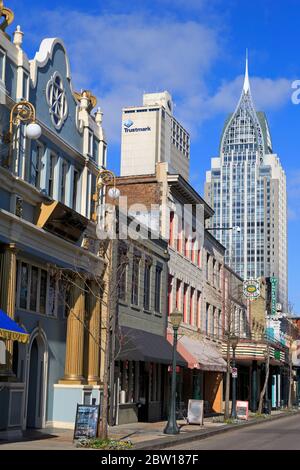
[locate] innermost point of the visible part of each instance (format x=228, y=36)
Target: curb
x=194, y=436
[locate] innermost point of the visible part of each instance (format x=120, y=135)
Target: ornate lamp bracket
x=8, y=17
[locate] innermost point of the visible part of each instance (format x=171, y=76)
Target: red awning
x=200, y=354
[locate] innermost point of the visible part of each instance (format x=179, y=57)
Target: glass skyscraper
x=246, y=186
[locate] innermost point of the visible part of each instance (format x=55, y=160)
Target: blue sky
x=196, y=50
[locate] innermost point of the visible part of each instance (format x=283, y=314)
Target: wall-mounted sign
x=242, y=409
x=195, y=412
x=251, y=289
x=86, y=423
x=277, y=354
x=274, y=282
x=234, y=372
x=128, y=127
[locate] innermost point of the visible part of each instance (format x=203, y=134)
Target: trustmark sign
x=251, y=289
x=128, y=127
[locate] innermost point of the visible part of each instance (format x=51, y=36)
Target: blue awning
x=9, y=329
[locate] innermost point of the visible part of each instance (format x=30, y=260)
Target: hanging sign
x=251, y=289
x=274, y=282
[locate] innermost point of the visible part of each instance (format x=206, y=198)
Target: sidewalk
x=147, y=436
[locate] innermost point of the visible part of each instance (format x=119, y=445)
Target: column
x=278, y=388
x=274, y=390
x=254, y=387
x=137, y=382
x=75, y=335
x=103, y=328
x=94, y=342
x=130, y=382
x=8, y=295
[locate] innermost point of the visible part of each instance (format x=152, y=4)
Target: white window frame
x=26, y=95
x=27, y=309
x=55, y=161
x=4, y=64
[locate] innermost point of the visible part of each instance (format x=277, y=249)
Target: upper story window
x=25, y=86
x=123, y=272
x=147, y=281
x=53, y=160
x=91, y=141
x=157, y=298
x=2, y=65
x=63, y=181
x=37, y=166
x=135, y=278
x=75, y=189
x=171, y=234
x=57, y=100
x=36, y=290
x=95, y=148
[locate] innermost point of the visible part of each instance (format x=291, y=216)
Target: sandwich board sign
x=195, y=412
x=86, y=423
x=242, y=409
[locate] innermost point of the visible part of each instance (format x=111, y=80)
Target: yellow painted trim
x=14, y=336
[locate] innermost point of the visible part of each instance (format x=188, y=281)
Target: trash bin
x=267, y=407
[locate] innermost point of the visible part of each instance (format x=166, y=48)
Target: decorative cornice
x=45, y=54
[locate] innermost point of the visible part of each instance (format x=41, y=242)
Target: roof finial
x=246, y=87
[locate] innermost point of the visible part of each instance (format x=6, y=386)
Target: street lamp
x=22, y=112
x=234, y=342
x=172, y=427
x=105, y=178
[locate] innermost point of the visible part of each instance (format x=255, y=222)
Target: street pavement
x=282, y=434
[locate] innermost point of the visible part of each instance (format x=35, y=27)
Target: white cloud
x=293, y=187
x=267, y=93
x=120, y=56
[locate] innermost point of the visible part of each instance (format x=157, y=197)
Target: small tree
x=233, y=300
x=267, y=372
x=106, y=293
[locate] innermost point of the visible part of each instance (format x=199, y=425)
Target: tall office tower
x=246, y=187
x=151, y=135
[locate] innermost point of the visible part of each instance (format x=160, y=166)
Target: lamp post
x=234, y=342
x=172, y=427
x=22, y=112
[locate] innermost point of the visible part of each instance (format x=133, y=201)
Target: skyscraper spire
x=246, y=87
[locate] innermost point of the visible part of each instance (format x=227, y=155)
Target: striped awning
x=9, y=329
